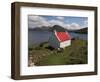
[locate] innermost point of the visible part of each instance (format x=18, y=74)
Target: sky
x=66, y=22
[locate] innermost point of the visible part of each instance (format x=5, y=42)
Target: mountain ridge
x=58, y=27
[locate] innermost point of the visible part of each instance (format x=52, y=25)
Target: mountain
x=58, y=28
x=44, y=28
x=83, y=30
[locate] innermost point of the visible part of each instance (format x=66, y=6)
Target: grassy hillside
x=44, y=55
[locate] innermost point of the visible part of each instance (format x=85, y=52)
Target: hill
x=44, y=55
x=84, y=30
x=59, y=28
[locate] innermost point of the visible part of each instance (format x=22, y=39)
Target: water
x=37, y=37
x=78, y=35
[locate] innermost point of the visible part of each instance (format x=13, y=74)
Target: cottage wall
x=65, y=43
x=54, y=42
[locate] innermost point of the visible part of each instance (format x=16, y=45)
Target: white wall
x=5, y=40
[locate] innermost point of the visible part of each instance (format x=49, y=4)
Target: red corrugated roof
x=62, y=36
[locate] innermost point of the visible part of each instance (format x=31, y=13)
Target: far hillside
x=84, y=30
x=44, y=28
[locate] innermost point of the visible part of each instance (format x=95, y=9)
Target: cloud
x=60, y=18
x=72, y=26
x=56, y=22
x=38, y=21
x=75, y=26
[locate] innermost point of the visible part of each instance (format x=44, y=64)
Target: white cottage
x=59, y=38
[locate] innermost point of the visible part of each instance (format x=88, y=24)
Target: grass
x=44, y=55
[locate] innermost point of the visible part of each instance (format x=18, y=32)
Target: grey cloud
x=38, y=21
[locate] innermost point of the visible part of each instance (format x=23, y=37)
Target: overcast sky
x=64, y=21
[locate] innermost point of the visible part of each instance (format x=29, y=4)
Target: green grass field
x=43, y=55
